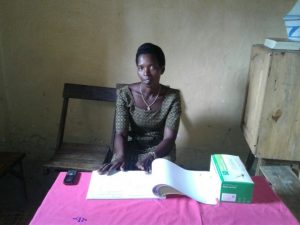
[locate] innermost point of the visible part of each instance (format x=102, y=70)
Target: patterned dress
x=146, y=128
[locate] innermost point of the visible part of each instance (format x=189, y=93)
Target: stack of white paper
x=166, y=178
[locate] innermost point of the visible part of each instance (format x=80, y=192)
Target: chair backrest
x=78, y=91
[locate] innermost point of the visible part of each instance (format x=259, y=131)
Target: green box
x=232, y=178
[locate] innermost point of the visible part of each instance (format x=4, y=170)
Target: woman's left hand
x=144, y=163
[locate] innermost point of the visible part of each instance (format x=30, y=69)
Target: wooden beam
x=286, y=184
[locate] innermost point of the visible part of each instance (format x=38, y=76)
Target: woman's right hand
x=117, y=163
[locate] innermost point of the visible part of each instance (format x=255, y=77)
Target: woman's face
x=148, y=69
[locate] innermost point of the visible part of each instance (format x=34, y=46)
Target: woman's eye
x=152, y=67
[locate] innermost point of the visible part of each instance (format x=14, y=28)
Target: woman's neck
x=150, y=90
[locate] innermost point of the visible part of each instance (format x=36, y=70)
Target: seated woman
x=147, y=116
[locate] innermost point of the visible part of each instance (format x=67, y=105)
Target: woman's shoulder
x=128, y=87
x=125, y=91
x=123, y=88
x=134, y=87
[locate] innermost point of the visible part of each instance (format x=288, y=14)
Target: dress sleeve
x=122, y=111
x=173, y=117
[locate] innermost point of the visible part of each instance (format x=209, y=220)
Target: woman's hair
x=149, y=48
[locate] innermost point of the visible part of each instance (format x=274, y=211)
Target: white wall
x=207, y=46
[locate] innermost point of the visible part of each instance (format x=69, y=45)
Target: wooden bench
x=286, y=184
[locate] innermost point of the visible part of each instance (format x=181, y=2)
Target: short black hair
x=149, y=48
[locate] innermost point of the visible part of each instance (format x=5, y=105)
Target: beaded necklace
x=149, y=105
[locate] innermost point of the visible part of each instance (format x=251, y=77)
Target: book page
x=199, y=185
x=121, y=185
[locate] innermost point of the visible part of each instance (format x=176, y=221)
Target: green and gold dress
x=146, y=128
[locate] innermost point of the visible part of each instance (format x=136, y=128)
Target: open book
x=166, y=178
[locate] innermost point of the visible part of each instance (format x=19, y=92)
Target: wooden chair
x=83, y=157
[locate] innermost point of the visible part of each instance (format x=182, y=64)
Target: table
x=68, y=205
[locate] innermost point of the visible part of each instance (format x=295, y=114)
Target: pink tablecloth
x=66, y=205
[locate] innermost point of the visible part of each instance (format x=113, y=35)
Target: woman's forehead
x=147, y=59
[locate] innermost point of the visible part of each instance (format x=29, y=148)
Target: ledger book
x=167, y=178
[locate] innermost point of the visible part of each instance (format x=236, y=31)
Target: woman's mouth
x=146, y=81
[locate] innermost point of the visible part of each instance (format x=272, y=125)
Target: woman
x=147, y=116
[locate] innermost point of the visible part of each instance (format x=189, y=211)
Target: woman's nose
x=146, y=71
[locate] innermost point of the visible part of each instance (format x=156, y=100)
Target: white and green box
x=235, y=184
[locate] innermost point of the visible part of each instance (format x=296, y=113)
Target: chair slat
x=88, y=92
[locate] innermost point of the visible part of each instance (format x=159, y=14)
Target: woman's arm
x=167, y=144
x=161, y=150
x=119, y=143
x=118, y=160
x=171, y=127
x=121, y=135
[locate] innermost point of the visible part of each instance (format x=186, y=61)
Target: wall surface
x=207, y=46
x=3, y=107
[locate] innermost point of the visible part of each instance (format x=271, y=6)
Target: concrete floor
x=15, y=209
